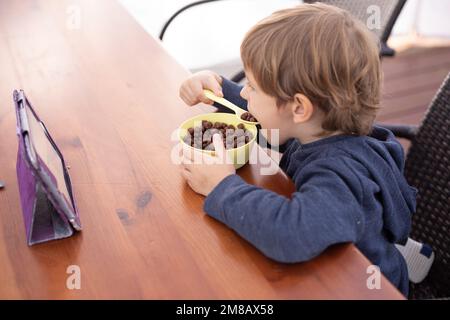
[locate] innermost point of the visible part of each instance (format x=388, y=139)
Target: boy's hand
x=191, y=90
x=203, y=177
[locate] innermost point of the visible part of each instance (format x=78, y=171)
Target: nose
x=243, y=93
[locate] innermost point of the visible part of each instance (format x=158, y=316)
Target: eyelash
x=248, y=85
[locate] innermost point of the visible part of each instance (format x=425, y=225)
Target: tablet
x=53, y=209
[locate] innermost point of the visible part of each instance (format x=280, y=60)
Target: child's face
x=266, y=111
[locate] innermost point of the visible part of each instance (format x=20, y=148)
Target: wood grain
x=108, y=93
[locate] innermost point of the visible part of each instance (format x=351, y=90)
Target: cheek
x=254, y=106
x=244, y=93
x=263, y=110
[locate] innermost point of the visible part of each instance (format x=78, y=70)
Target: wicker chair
x=389, y=12
x=428, y=169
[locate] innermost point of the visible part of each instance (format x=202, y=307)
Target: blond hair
x=322, y=52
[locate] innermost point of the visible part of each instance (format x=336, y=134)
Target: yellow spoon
x=238, y=111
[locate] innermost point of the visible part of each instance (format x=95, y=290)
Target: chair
x=228, y=67
x=389, y=12
x=178, y=12
x=427, y=168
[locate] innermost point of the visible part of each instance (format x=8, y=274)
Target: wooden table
x=108, y=93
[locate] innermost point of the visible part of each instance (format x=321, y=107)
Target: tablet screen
x=47, y=153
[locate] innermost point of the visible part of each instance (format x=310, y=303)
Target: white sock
x=419, y=258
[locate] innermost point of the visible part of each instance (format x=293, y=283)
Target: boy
x=313, y=73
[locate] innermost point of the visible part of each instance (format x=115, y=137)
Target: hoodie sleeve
x=232, y=92
x=324, y=211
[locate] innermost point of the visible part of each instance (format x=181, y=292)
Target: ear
x=302, y=108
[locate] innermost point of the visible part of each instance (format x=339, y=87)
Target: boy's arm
x=232, y=92
x=324, y=211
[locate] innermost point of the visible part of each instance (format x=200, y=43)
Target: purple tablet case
x=48, y=214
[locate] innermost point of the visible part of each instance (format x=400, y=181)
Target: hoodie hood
x=397, y=196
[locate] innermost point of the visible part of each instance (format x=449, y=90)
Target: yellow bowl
x=240, y=155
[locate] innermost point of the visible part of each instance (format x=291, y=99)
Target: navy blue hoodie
x=348, y=189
